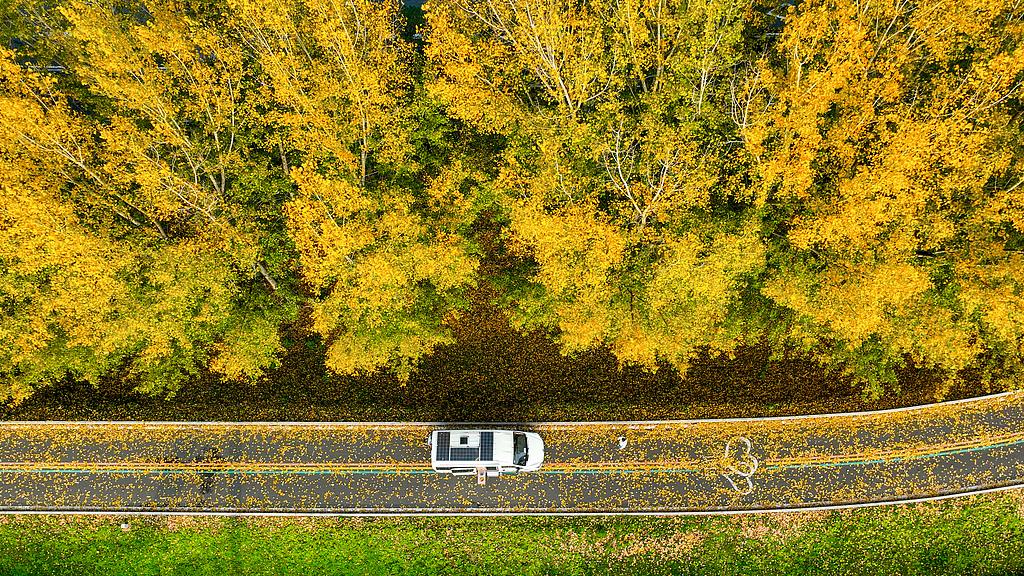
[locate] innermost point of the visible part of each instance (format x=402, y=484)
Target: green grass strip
x=978, y=536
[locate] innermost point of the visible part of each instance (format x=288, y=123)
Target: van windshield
x=520, y=453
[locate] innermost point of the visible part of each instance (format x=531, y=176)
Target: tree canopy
x=185, y=180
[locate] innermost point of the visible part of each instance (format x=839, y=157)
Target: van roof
x=472, y=447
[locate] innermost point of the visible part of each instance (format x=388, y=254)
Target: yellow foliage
x=575, y=249
x=120, y=250
x=888, y=139
x=610, y=176
x=372, y=260
x=339, y=69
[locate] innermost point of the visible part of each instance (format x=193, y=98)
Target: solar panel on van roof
x=487, y=445
x=445, y=451
x=464, y=454
x=443, y=443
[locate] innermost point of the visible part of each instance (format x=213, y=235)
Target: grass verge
x=977, y=535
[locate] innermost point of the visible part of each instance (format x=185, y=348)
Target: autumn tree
x=180, y=178
x=125, y=246
x=378, y=237
x=623, y=180
x=889, y=157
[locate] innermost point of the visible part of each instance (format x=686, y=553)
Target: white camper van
x=493, y=452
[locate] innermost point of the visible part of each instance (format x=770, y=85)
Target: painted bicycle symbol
x=741, y=464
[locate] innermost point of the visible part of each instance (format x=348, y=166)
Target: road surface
x=383, y=468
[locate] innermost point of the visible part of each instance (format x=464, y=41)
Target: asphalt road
x=384, y=468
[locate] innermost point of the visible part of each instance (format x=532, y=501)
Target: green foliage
x=979, y=536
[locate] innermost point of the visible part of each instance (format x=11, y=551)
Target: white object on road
x=463, y=452
x=748, y=458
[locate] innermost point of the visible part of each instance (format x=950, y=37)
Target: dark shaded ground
x=494, y=373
